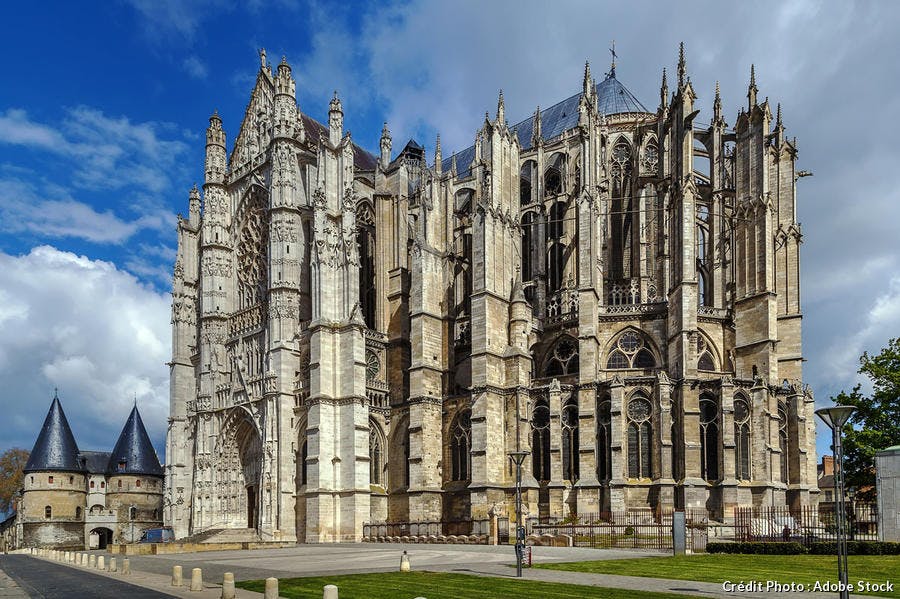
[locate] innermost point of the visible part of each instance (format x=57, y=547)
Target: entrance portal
x=251, y=506
x=100, y=538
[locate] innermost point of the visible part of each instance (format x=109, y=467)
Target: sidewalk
x=9, y=589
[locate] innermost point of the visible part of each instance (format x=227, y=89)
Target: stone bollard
x=271, y=588
x=84, y=559
x=101, y=562
x=176, y=576
x=330, y=592
x=404, y=562
x=196, y=579
x=112, y=564
x=92, y=561
x=228, y=586
x=126, y=566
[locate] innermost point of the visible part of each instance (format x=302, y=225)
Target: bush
x=629, y=531
x=757, y=548
x=856, y=548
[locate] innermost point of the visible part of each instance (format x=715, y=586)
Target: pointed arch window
x=460, y=441
x=540, y=440
x=783, y=441
x=376, y=455
x=742, y=438
x=48, y=512
x=554, y=175
x=640, y=435
x=527, y=246
x=604, y=438
x=563, y=358
x=703, y=253
x=650, y=159
x=365, y=239
x=705, y=360
x=304, y=454
x=556, y=246
x=621, y=216
x=526, y=182
x=709, y=438
x=631, y=351
x=570, y=454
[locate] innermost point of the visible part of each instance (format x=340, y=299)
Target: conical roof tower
x=55, y=448
x=134, y=453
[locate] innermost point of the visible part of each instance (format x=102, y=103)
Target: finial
x=283, y=59
x=501, y=113
x=55, y=393
x=335, y=104
x=437, y=144
x=778, y=115
x=717, y=102
x=752, y=89
x=262, y=58
x=612, y=68
x=135, y=399
x=385, y=132
x=682, y=67
x=664, y=91
x=752, y=74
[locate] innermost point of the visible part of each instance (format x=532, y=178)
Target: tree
x=876, y=422
x=12, y=461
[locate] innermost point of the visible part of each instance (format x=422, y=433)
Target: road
x=44, y=579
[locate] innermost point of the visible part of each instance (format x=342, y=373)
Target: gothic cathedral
x=362, y=338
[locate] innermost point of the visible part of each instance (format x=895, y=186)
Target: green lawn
x=805, y=569
x=439, y=585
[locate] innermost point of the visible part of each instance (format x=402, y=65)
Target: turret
x=335, y=120
x=438, y=156
x=194, y=206
x=284, y=83
x=216, y=160
x=385, y=146
x=501, y=111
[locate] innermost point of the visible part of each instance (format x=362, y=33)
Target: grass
x=806, y=569
x=440, y=585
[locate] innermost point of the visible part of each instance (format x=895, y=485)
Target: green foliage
x=757, y=548
x=876, y=422
x=856, y=548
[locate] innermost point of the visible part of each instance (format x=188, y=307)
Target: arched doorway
x=100, y=538
x=240, y=462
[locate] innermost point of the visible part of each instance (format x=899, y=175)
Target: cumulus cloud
x=88, y=328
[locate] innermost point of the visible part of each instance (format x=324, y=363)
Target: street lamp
x=518, y=457
x=836, y=417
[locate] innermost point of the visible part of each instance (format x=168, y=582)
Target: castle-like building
x=364, y=338
x=73, y=499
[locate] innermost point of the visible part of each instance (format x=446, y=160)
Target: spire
x=55, y=448
x=501, y=112
x=682, y=66
x=779, y=126
x=752, y=89
x=612, y=66
x=385, y=146
x=438, y=156
x=717, y=104
x=134, y=453
x=536, y=136
x=453, y=170
x=262, y=58
x=664, y=91
x=586, y=82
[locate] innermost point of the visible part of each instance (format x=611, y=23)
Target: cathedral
x=364, y=337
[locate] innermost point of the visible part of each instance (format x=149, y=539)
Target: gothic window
x=406, y=455
x=705, y=361
x=373, y=365
x=631, y=351
x=527, y=245
x=304, y=453
x=460, y=436
x=622, y=209
x=604, y=439
x=577, y=173
x=252, y=247
x=650, y=159
x=376, y=455
x=703, y=255
x=556, y=247
x=639, y=438
x=783, y=440
x=553, y=175
x=563, y=358
x=365, y=239
x=709, y=438
x=569, y=424
x=48, y=512
x=540, y=441
x=742, y=439
x=526, y=179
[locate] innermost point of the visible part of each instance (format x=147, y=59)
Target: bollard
x=330, y=592
x=92, y=561
x=176, y=576
x=271, y=588
x=228, y=586
x=112, y=564
x=101, y=562
x=126, y=566
x=404, y=562
x=196, y=579
x=84, y=559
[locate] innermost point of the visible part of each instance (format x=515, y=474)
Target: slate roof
x=95, y=462
x=612, y=98
x=134, y=449
x=362, y=159
x=55, y=448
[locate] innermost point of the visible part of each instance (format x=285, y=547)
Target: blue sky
x=104, y=106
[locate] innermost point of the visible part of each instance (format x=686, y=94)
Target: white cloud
x=175, y=18
x=88, y=328
x=195, y=67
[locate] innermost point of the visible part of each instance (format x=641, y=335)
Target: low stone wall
x=167, y=548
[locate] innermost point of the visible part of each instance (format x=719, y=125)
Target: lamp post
x=836, y=417
x=518, y=457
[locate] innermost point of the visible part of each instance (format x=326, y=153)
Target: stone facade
x=361, y=338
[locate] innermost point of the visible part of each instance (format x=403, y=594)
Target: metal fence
x=804, y=524
x=636, y=529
